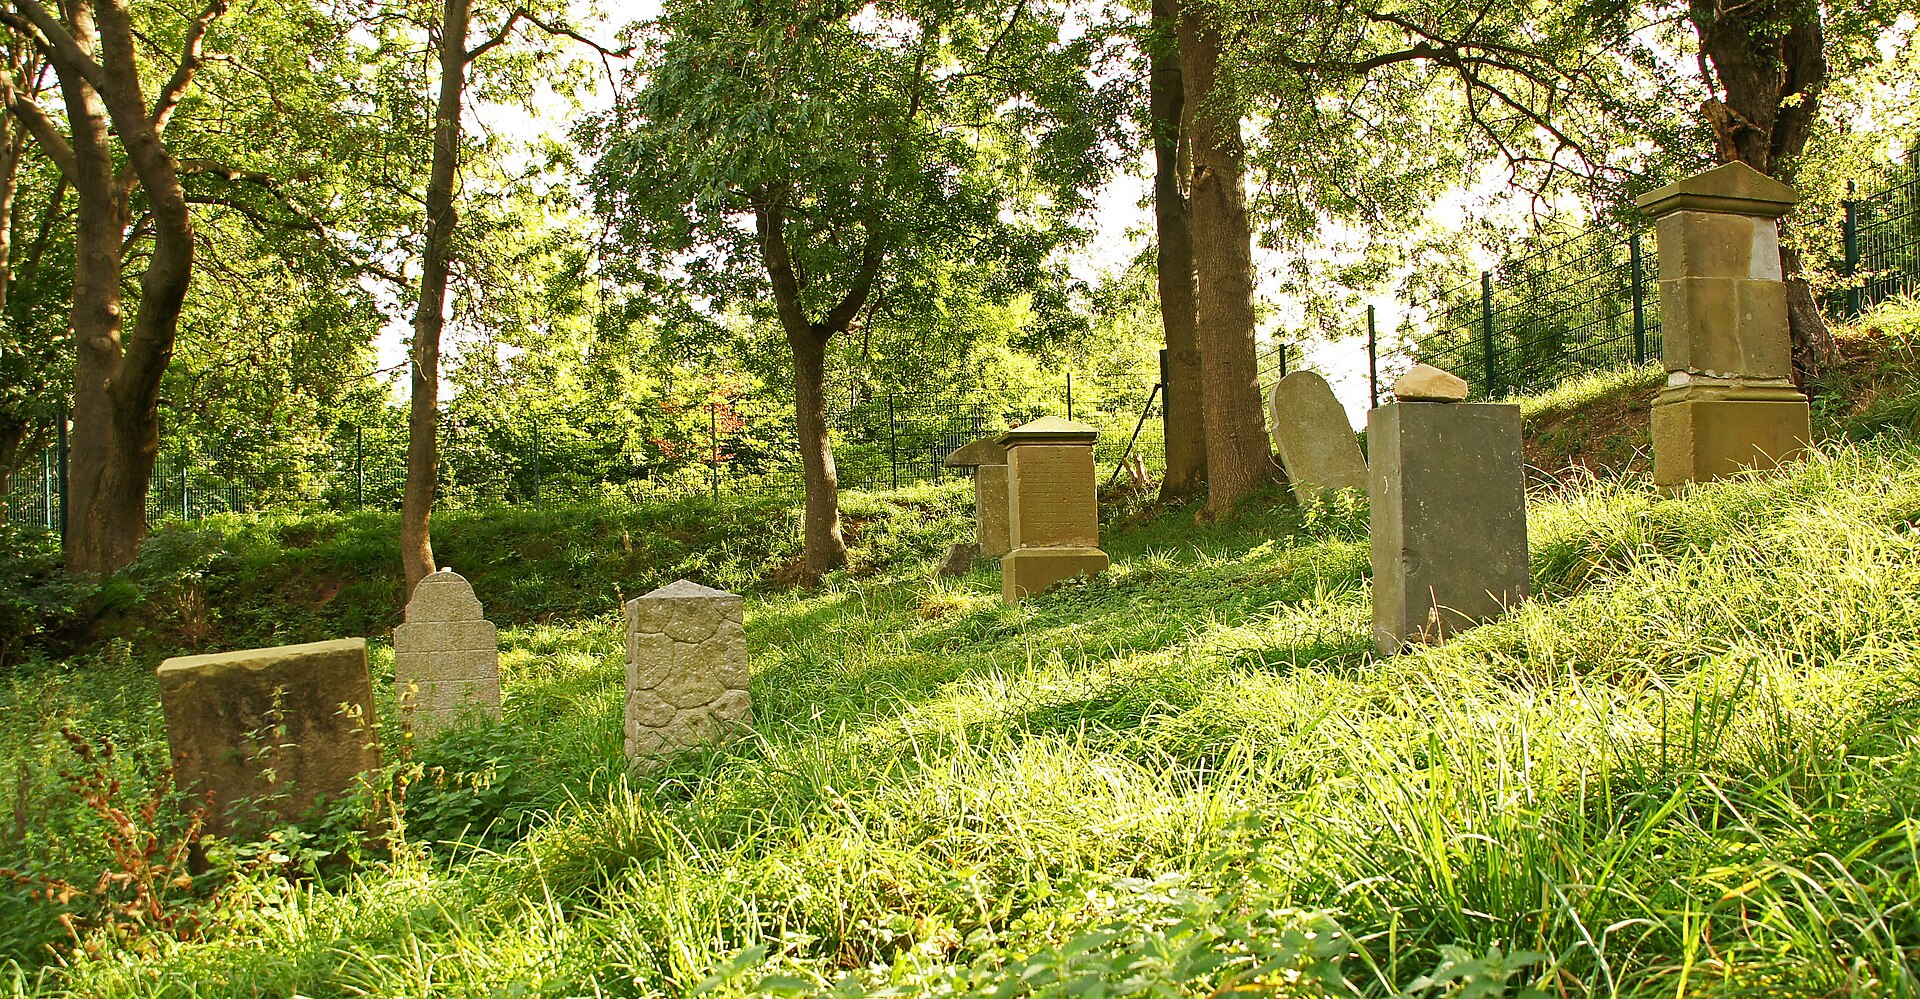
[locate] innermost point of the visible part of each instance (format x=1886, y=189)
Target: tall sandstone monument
x=1729, y=402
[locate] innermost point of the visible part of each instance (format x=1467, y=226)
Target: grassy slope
x=1688, y=766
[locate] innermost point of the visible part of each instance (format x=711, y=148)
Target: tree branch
x=190, y=61
x=52, y=35
x=45, y=132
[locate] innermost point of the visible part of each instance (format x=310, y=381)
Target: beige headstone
x=1053, y=513
x=1426, y=383
x=687, y=670
x=272, y=734
x=988, y=459
x=1729, y=402
x=446, y=654
x=1311, y=432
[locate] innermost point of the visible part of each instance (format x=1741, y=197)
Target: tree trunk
x=1185, y=417
x=825, y=548
x=1770, y=83
x=423, y=414
x=1239, y=455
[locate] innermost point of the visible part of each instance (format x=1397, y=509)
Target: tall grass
x=1688, y=767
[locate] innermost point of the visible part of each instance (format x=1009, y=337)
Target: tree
x=115, y=438
x=1186, y=417
x=840, y=159
x=1239, y=456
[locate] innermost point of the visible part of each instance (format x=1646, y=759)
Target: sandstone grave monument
x=277, y=732
x=1053, y=513
x=446, y=654
x=1449, y=514
x=1729, y=402
x=988, y=459
x=686, y=669
x=1316, y=444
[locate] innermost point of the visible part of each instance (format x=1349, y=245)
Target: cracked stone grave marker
x=686, y=669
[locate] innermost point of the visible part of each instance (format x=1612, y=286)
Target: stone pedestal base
x=1701, y=433
x=1025, y=572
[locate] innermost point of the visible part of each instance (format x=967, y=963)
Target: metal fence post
x=186, y=506
x=1850, y=250
x=1069, y=395
x=359, y=468
x=536, y=464
x=1283, y=360
x=713, y=436
x=1486, y=330
x=65, y=422
x=893, y=435
x=1373, y=364
x=1639, y=300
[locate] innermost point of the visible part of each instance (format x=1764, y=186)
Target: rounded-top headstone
x=1426, y=383
x=446, y=654
x=1315, y=441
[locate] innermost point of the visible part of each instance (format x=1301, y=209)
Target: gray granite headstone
x=1449, y=518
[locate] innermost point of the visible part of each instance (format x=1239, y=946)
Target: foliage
x=41, y=607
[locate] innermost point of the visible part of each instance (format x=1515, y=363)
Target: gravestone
x=446, y=654
x=1449, y=518
x=278, y=732
x=686, y=669
x=959, y=560
x=1729, y=402
x=1053, y=516
x=988, y=459
x=1315, y=441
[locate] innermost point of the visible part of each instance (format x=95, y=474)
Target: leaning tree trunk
x=1770, y=83
x=1239, y=455
x=1185, y=416
x=423, y=412
x=825, y=548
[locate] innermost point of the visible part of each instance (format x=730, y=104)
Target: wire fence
x=727, y=445
x=1586, y=303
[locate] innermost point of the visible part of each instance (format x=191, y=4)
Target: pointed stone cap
x=1426, y=383
x=985, y=451
x=1050, y=430
x=684, y=589
x=1730, y=189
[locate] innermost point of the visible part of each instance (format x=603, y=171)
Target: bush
x=41, y=607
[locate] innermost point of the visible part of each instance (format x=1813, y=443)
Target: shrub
x=41, y=607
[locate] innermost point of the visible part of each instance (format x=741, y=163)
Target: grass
x=1688, y=767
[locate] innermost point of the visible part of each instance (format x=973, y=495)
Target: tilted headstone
x=988, y=459
x=1729, y=402
x=1315, y=441
x=277, y=732
x=686, y=669
x=446, y=655
x=1053, y=512
x=1449, y=518
x=960, y=557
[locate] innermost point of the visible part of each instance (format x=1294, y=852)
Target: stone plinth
x=1729, y=402
x=273, y=734
x=446, y=654
x=1053, y=514
x=1315, y=441
x=686, y=670
x=1449, y=518
x=988, y=459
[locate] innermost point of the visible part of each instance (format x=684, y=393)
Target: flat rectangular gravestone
x=1449, y=518
x=1316, y=443
x=686, y=670
x=446, y=656
x=278, y=732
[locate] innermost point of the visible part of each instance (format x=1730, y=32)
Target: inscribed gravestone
x=277, y=731
x=1449, y=518
x=1052, y=507
x=1315, y=441
x=686, y=669
x=446, y=654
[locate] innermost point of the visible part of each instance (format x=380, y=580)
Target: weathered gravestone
x=1053, y=513
x=988, y=459
x=278, y=732
x=1315, y=441
x=1449, y=518
x=446, y=655
x=1729, y=402
x=686, y=669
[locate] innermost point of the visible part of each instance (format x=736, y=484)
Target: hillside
x=1687, y=767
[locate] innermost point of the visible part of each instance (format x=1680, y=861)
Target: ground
x=1686, y=767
